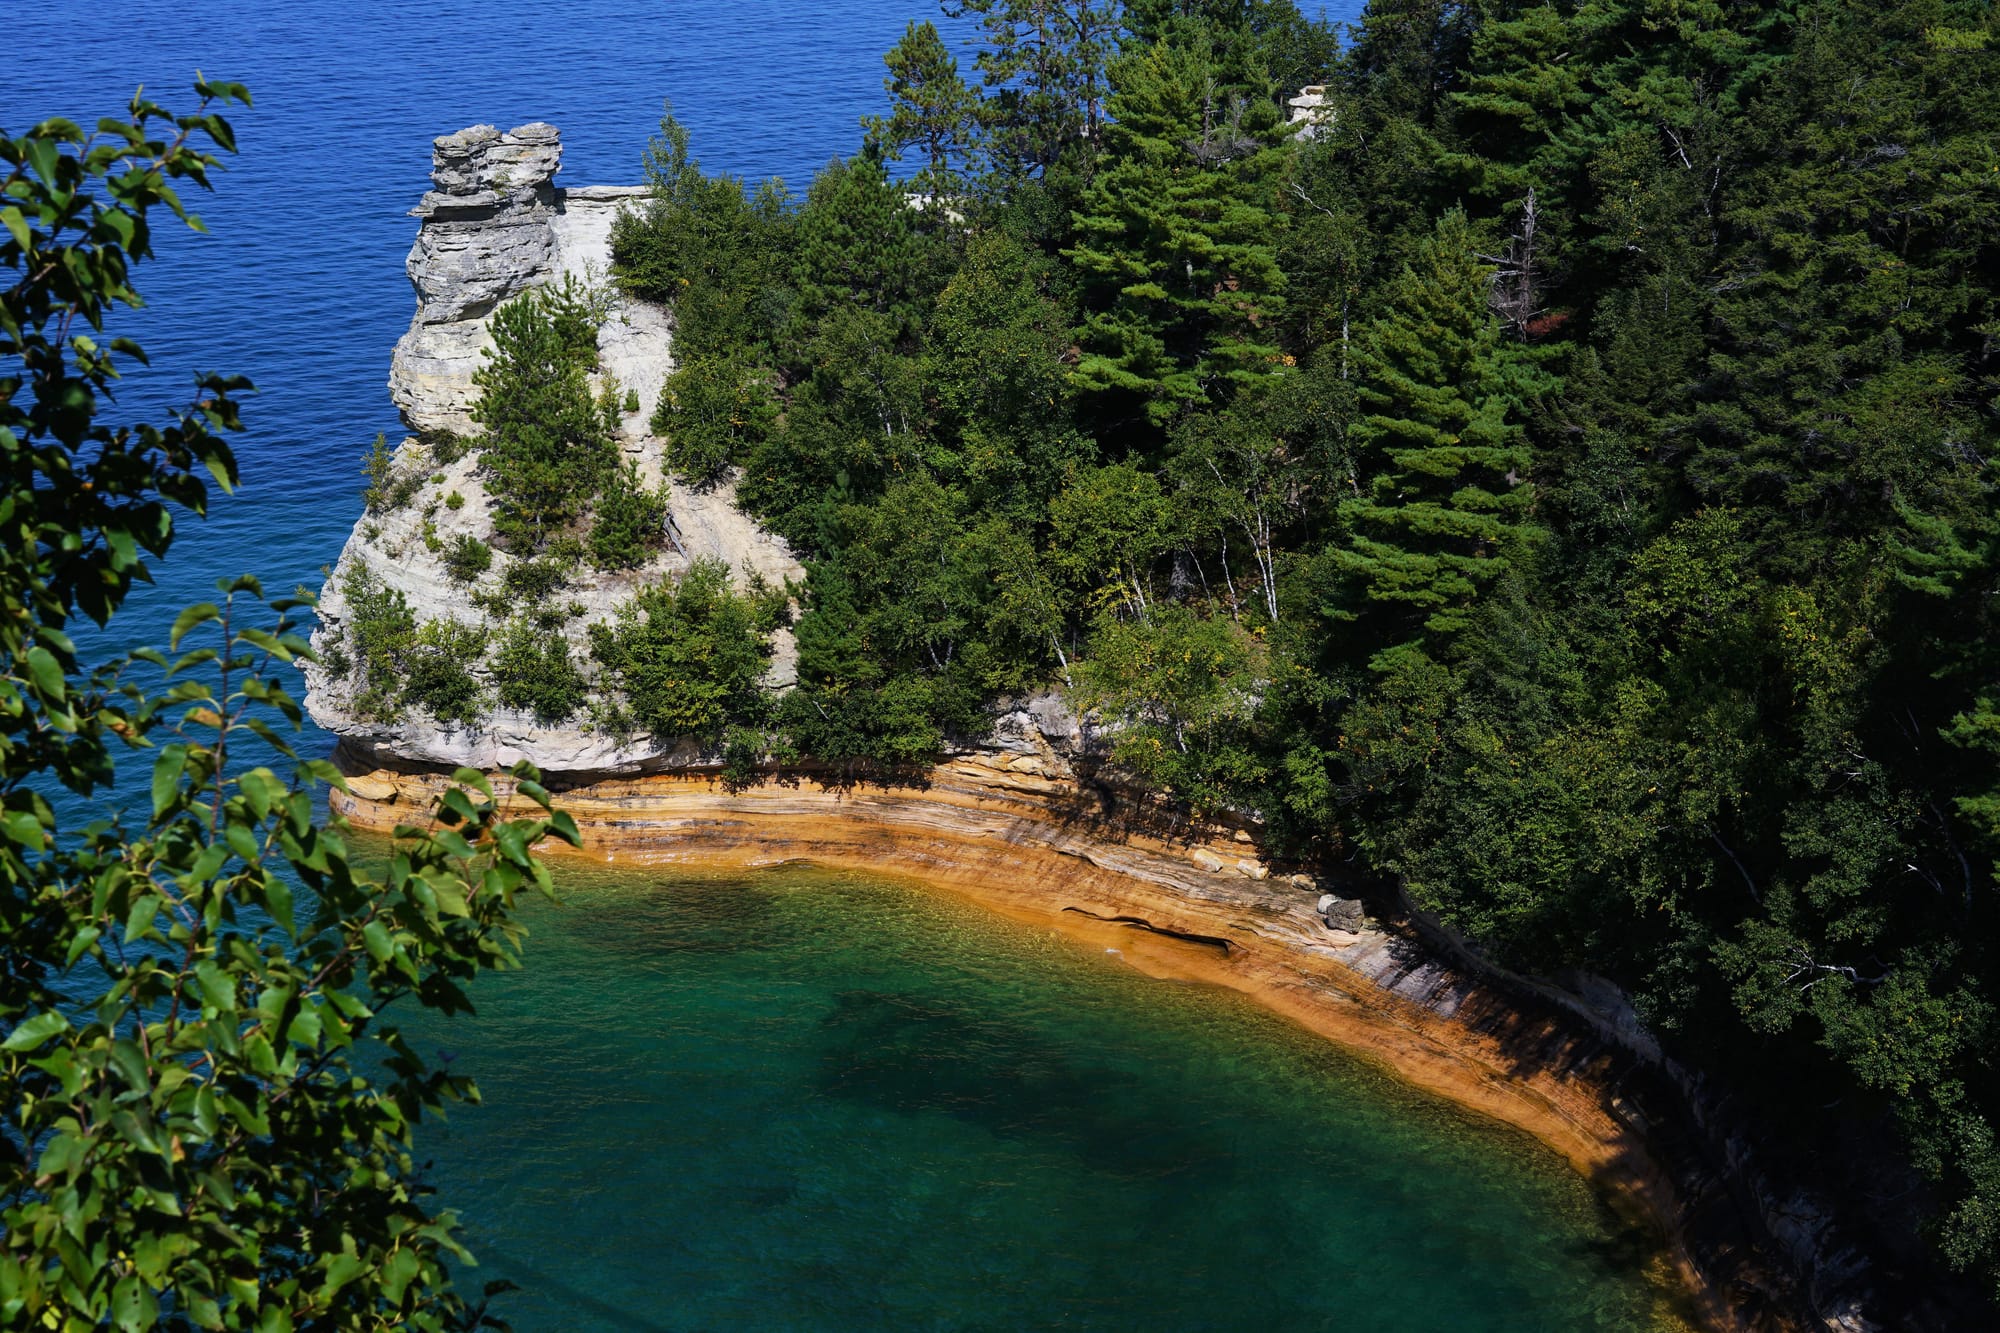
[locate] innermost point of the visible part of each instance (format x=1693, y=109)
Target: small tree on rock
x=934, y=112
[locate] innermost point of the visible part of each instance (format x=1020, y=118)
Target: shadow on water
x=919, y=1055
x=568, y=1296
x=1718, y=1221
x=692, y=916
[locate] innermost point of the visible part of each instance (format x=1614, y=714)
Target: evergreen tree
x=1046, y=62
x=859, y=243
x=548, y=448
x=933, y=111
x=993, y=369
x=1177, y=235
x=1441, y=510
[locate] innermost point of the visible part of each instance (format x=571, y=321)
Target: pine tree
x=933, y=111
x=1045, y=61
x=1442, y=509
x=858, y=243
x=1177, y=234
x=547, y=449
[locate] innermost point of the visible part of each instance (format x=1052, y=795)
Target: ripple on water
x=862, y=1105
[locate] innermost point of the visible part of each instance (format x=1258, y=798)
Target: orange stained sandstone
x=1003, y=832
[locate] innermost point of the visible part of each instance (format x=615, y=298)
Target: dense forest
x=1550, y=474
x=1543, y=469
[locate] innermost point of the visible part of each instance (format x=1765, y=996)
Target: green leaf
x=167, y=770
x=139, y=920
x=216, y=467
x=243, y=842
x=278, y=902
x=23, y=828
x=376, y=936
x=17, y=227
x=80, y=944
x=199, y=614
x=132, y=1304
x=262, y=789
x=450, y=899
x=46, y=672
x=218, y=988
x=342, y=1269
x=257, y=1051
x=35, y=1031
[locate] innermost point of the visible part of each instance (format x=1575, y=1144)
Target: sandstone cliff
x=1021, y=820
x=493, y=225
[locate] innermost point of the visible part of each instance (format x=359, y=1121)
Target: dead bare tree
x=1515, y=292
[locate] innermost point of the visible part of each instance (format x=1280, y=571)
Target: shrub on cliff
x=534, y=674
x=713, y=410
x=712, y=250
x=548, y=448
x=380, y=628
x=467, y=558
x=205, y=1121
x=533, y=580
x=388, y=488
x=687, y=654
x=437, y=675
x=630, y=522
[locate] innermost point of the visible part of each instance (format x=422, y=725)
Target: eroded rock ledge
x=1028, y=838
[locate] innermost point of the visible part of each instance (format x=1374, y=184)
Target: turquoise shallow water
x=798, y=1101
x=809, y=1100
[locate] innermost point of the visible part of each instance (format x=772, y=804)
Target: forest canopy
x=1549, y=476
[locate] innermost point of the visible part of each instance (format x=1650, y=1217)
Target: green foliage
x=535, y=580
x=1446, y=468
x=686, y=654
x=1177, y=233
x=714, y=410
x=932, y=112
x=1002, y=411
x=381, y=628
x=437, y=674
x=1179, y=691
x=859, y=247
x=399, y=663
x=715, y=252
x=1045, y=62
x=445, y=447
x=547, y=448
x=630, y=524
x=1108, y=528
x=389, y=487
x=534, y=674
x=1559, y=485
x=208, y=1121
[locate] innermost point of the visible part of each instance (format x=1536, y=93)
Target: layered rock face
x=493, y=225
x=487, y=233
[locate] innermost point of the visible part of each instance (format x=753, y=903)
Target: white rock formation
x=493, y=226
x=1310, y=106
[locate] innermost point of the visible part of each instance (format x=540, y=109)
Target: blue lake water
x=799, y=1101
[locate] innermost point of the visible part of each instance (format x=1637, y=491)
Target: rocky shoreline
x=1030, y=840
x=1024, y=820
